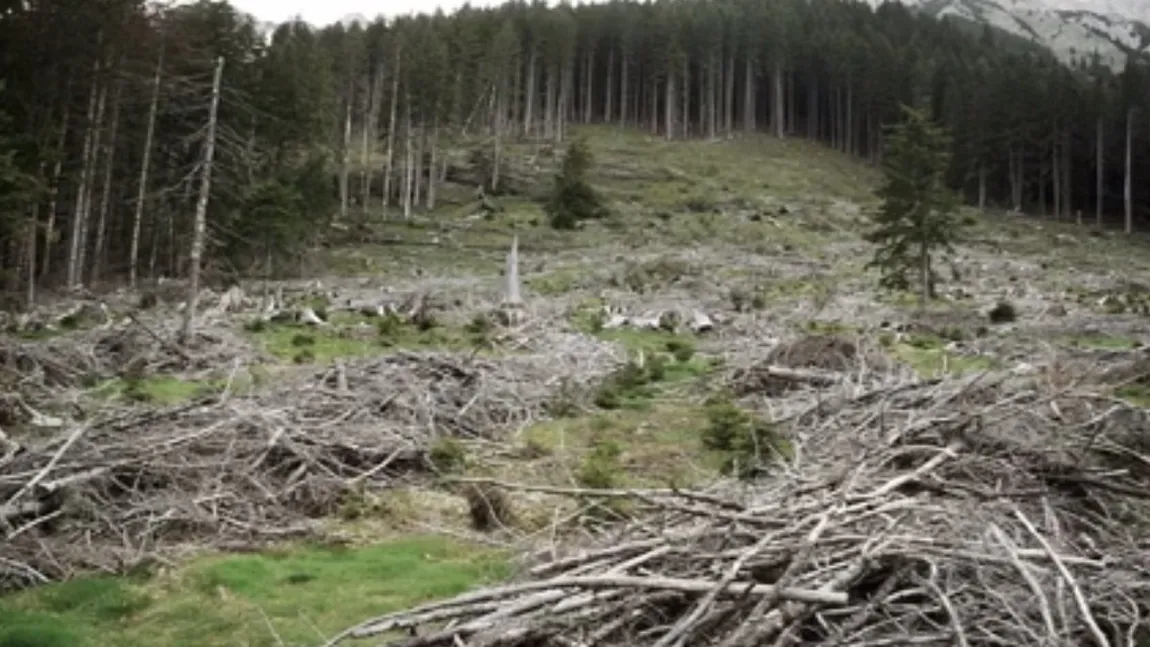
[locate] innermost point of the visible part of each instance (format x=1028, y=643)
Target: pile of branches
x=129, y=484
x=974, y=512
x=815, y=360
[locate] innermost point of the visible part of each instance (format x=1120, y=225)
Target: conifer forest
x=107, y=111
x=635, y=323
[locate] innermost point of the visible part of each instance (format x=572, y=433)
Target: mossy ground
x=294, y=597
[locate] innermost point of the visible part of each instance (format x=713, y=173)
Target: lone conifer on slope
x=918, y=213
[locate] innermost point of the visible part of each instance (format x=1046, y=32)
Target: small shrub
x=488, y=506
x=134, y=390
x=1003, y=312
x=389, y=325
x=302, y=340
x=601, y=467
x=304, y=356
x=256, y=326
x=480, y=324
x=629, y=382
x=447, y=455
x=681, y=349
x=425, y=321
x=564, y=403
x=744, y=440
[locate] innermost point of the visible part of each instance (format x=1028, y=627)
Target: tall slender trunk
x=729, y=94
x=54, y=192
x=200, y=227
x=669, y=107
x=511, y=120
x=345, y=160
x=145, y=167
x=106, y=191
x=431, y=175
x=792, y=103
x=609, y=93
x=813, y=109
x=778, y=116
x=549, y=107
x=529, y=99
x=80, y=211
x=389, y=164
x=1128, y=189
x=1068, y=176
x=749, y=98
x=30, y=280
x=564, y=101
x=408, y=178
x=588, y=84
x=684, y=94
x=1099, y=163
x=370, y=132
x=982, y=187
x=624, y=89
x=848, y=121
x=1056, y=176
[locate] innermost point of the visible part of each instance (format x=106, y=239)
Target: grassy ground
x=290, y=598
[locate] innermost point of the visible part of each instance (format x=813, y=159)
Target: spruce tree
x=572, y=199
x=918, y=213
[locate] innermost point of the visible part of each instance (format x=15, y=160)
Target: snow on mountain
x=1072, y=29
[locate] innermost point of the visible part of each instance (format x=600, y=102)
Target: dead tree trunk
x=778, y=115
x=432, y=174
x=407, y=176
x=370, y=123
x=137, y=218
x=390, y=164
x=82, y=190
x=345, y=162
x=1128, y=189
x=200, y=226
x=54, y=193
x=529, y=98
x=1099, y=162
x=106, y=197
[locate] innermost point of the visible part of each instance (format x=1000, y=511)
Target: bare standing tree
x=200, y=227
x=134, y=256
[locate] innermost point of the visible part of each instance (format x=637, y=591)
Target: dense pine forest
x=113, y=110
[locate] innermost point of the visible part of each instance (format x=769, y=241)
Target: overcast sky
x=324, y=12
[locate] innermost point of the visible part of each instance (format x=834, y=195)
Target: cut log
x=308, y=317
x=700, y=322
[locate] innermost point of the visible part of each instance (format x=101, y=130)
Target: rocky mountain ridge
x=1073, y=29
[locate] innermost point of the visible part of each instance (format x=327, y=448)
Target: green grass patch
x=161, y=389
x=1136, y=394
x=1103, y=341
x=301, y=594
x=657, y=447
x=931, y=361
x=351, y=336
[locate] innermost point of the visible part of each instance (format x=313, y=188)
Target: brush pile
x=129, y=484
x=953, y=512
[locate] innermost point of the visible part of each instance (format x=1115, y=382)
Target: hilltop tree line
x=105, y=111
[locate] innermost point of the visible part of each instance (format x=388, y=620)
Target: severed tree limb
x=1079, y=598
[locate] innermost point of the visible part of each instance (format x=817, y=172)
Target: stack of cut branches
x=943, y=513
x=131, y=483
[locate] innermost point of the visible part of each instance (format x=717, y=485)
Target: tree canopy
x=112, y=195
